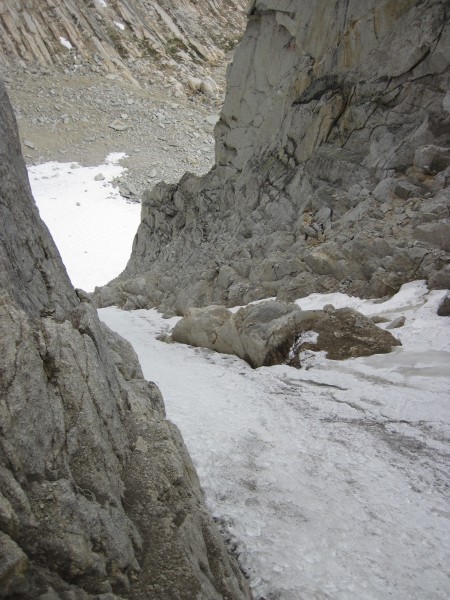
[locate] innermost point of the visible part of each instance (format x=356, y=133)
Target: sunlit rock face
x=97, y=492
x=313, y=73
x=331, y=164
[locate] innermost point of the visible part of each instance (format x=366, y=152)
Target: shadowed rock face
x=98, y=496
x=331, y=168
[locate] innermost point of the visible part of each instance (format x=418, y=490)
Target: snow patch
x=121, y=26
x=410, y=295
x=306, y=337
x=92, y=225
x=65, y=43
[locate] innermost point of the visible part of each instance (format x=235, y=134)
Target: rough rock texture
x=98, y=496
x=444, y=307
x=274, y=333
x=332, y=164
x=126, y=37
x=341, y=333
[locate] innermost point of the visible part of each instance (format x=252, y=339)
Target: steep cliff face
x=332, y=164
x=98, y=496
x=129, y=37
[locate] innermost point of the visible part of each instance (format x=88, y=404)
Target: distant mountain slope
x=131, y=37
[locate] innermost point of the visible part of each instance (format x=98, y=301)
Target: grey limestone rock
x=444, y=307
x=436, y=234
x=14, y=567
x=432, y=159
x=329, y=151
x=98, y=496
x=273, y=332
x=254, y=333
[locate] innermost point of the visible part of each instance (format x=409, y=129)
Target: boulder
x=342, y=333
x=273, y=332
x=444, y=307
x=436, y=234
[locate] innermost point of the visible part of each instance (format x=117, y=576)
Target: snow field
x=331, y=479
x=92, y=225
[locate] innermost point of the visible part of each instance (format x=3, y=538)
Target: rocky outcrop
x=131, y=38
x=332, y=164
x=98, y=496
x=272, y=332
x=444, y=307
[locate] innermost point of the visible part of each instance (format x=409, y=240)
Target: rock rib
x=98, y=496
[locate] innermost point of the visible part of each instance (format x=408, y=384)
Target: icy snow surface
x=331, y=480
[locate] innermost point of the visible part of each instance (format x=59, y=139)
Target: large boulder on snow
x=273, y=332
x=257, y=333
x=342, y=333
